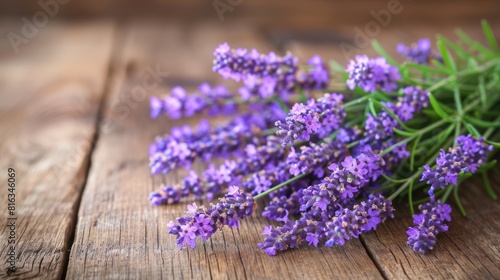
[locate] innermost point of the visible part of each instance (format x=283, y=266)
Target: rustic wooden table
x=74, y=125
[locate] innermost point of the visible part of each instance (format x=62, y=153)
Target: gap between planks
x=116, y=49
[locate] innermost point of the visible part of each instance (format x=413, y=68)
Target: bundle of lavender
x=332, y=161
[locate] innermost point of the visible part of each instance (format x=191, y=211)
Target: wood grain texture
x=50, y=94
x=120, y=235
x=469, y=250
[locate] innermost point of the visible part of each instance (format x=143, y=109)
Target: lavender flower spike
x=321, y=117
x=203, y=222
x=216, y=100
x=468, y=155
x=420, y=52
x=427, y=224
x=372, y=74
x=240, y=63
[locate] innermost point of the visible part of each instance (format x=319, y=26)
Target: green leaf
x=482, y=92
x=443, y=135
x=372, y=108
x=459, y=50
x=404, y=133
x=410, y=197
x=302, y=95
x=334, y=65
x=395, y=180
x=431, y=113
x=458, y=201
x=481, y=123
x=458, y=100
x=494, y=144
x=472, y=63
x=382, y=52
x=472, y=130
x=490, y=36
x=487, y=186
x=413, y=152
x=437, y=108
x=474, y=44
x=282, y=104
x=447, y=58
x=487, y=166
x=424, y=69
x=380, y=96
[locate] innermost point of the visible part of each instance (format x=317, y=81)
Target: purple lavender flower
x=420, y=52
x=203, y=222
x=380, y=127
x=285, y=83
x=217, y=100
x=314, y=157
x=166, y=195
x=281, y=206
x=413, y=101
x=281, y=238
x=468, y=154
x=363, y=217
x=311, y=158
x=427, y=224
x=321, y=117
x=238, y=63
x=269, y=75
x=216, y=180
x=372, y=74
x=347, y=223
x=343, y=184
x=183, y=146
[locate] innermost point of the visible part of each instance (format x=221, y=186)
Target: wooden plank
x=50, y=91
x=120, y=235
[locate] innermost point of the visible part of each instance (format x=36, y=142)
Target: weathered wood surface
x=50, y=96
x=469, y=250
x=47, y=132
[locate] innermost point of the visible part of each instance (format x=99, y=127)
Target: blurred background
x=284, y=13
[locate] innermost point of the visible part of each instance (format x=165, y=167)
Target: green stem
x=462, y=73
x=491, y=129
x=419, y=133
x=403, y=187
x=356, y=101
x=277, y=187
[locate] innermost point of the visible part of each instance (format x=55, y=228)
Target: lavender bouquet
x=330, y=162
